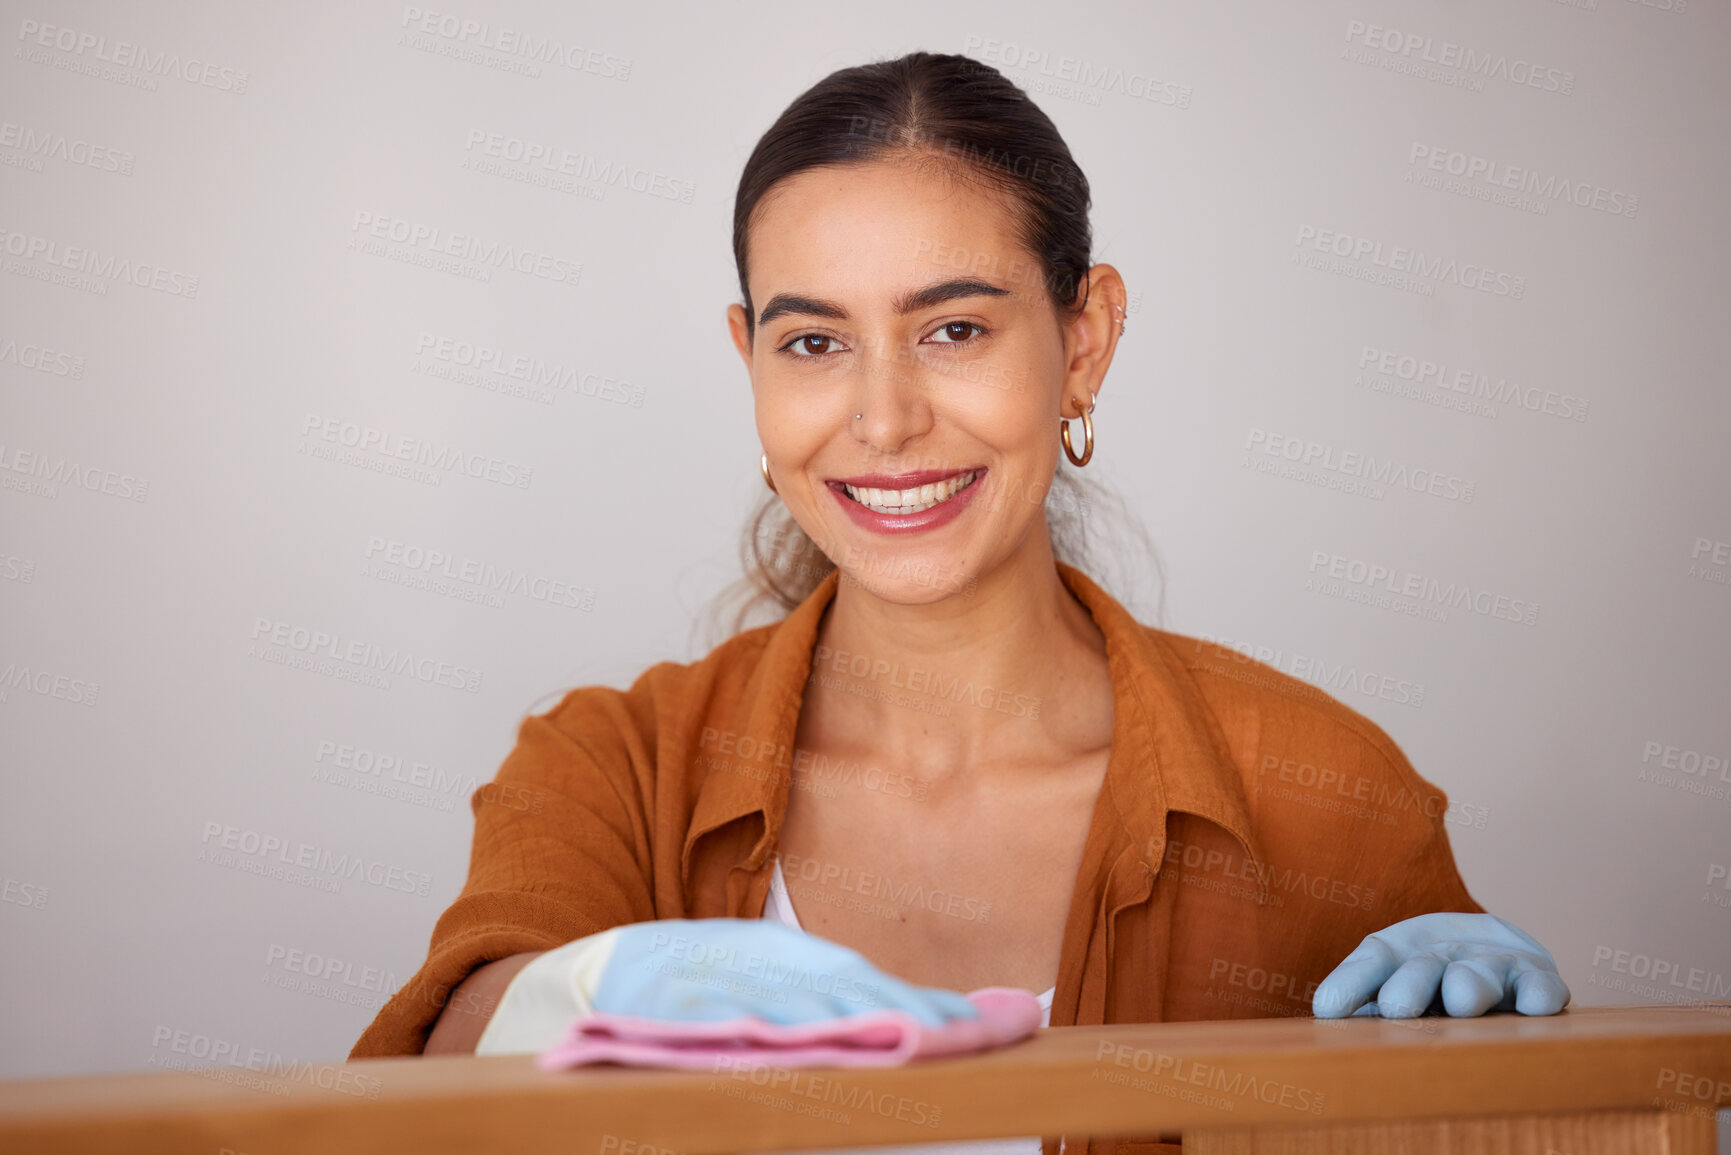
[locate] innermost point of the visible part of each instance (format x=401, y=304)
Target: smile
x=904, y=502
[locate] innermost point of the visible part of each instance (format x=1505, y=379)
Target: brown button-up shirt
x=1249, y=832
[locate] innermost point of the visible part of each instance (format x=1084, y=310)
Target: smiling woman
x=966, y=199
x=956, y=755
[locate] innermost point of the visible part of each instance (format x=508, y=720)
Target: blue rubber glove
x=1478, y=961
x=702, y=970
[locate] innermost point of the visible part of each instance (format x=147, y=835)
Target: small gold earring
x=763, y=463
x=1087, y=434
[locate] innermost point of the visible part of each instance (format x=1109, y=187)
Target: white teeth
x=915, y=500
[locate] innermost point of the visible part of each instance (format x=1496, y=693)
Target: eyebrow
x=790, y=304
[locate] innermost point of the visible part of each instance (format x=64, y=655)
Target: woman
x=1109, y=813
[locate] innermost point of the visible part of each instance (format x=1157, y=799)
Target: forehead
x=885, y=224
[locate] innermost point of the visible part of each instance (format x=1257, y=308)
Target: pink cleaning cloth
x=874, y=1039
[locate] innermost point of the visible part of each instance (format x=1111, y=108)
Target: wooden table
x=1639, y=1079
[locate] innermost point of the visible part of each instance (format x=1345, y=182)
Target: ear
x=736, y=326
x=1091, y=338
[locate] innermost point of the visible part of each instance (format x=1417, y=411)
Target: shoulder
x=666, y=694
x=1331, y=796
x=1279, y=719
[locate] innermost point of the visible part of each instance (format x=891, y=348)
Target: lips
x=906, y=503
x=906, y=494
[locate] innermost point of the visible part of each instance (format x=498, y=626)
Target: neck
x=1013, y=669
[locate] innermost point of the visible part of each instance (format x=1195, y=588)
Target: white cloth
x=779, y=908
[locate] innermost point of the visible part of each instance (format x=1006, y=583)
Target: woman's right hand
x=701, y=970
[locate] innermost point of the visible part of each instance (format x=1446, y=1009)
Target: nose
x=890, y=391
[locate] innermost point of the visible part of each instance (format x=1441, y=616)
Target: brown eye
x=808, y=345
x=955, y=332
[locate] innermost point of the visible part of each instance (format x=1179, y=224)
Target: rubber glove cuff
x=542, y=999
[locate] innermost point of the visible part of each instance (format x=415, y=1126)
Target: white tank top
x=779, y=908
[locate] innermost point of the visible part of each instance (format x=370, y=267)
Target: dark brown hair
x=963, y=117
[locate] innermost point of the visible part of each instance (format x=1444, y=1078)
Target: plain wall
x=1481, y=244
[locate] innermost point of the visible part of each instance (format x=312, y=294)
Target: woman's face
x=897, y=292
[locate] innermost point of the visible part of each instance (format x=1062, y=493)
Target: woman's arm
x=458, y=1027
x=561, y=850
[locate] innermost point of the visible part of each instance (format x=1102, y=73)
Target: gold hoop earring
x=763, y=463
x=1087, y=437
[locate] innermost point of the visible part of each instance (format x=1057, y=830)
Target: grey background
x=1266, y=120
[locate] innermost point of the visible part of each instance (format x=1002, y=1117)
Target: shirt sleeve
x=561, y=851
x=1425, y=879
x=1383, y=861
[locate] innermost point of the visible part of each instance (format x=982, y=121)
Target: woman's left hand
x=1478, y=962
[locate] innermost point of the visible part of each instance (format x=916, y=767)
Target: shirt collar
x=1167, y=751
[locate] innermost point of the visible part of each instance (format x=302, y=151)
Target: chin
x=920, y=583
